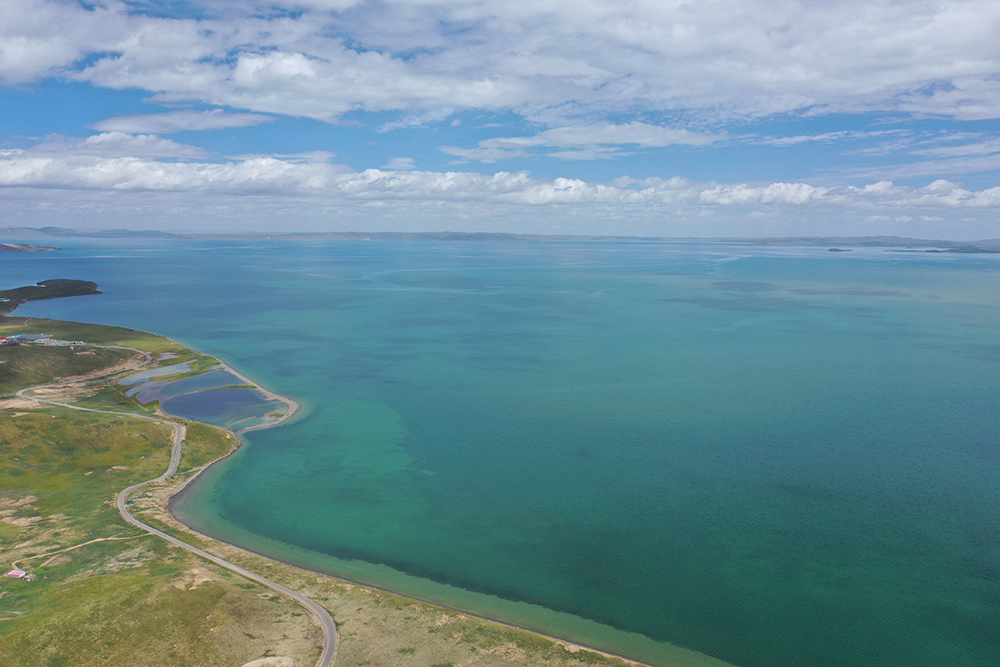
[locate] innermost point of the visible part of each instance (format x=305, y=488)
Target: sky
x=669, y=118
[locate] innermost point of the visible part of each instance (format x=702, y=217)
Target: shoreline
x=684, y=657
x=294, y=406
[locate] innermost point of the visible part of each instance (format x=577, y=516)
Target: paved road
x=321, y=615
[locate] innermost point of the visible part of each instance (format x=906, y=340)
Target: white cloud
x=131, y=173
x=309, y=156
x=420, y=118
x=116, y=144
x=725, y=58
x=77, y=164
x=636, y=133
x=592, y=153
x=585, y=142
x=487, y=154
x=990, y=147
x=931, y=168
x=838, y=137
x=180, y=121
x=826, y=137
x=273, y=195
x=39, y=38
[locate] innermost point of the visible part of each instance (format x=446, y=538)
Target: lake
x=777, y=456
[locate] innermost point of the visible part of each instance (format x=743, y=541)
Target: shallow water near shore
x=775, y=456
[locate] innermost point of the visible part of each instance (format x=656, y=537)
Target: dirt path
x=14, y=564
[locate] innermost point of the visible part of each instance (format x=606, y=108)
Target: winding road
x=321, y=615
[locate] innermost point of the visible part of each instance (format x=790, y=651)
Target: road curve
x=321, y=615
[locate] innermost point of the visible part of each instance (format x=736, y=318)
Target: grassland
x=25, y=365
x=109, y=594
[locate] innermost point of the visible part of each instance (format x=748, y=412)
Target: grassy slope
x=24, y=365
x=121, y=602
x=140, y=602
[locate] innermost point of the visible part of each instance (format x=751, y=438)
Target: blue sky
x=723, y=118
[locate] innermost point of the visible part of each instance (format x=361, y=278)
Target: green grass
x=89, y=333
x=73, y=464
x=123, y=602
x=204, y=443
x=116, y=601
x=143, y=614
x=28, y=365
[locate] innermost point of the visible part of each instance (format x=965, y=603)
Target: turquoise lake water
x=775, y=456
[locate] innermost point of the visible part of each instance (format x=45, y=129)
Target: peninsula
x=24, y=247
x=46, y=289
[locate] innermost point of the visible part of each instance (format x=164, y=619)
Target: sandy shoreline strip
x=293, y=406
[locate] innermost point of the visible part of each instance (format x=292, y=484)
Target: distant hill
x=64, y=231
x=895, y=243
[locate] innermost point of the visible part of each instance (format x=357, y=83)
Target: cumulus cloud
x=39, y=38
x=725, y=58
x=180, y=121
x=132, y=173
x=73, y=164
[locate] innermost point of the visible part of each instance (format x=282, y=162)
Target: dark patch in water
x=848, y=291
x=981, y=571
x=752, y=304
x=752, y=287
x=982, y=448
x=980, y=352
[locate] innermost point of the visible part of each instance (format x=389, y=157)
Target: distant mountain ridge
x=896, y=242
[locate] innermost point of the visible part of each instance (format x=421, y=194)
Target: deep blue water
x=775, y=456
